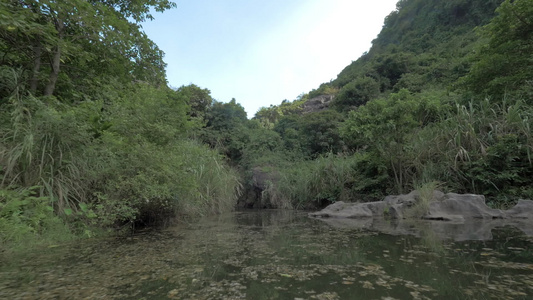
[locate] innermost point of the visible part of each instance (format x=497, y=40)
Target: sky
x=264, y=52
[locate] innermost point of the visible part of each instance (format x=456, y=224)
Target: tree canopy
x=505, y=63
x=67, y=47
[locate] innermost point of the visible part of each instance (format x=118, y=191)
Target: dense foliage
x=444, y=95
x=90, y=135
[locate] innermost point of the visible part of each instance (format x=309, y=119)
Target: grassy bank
x=68, y=171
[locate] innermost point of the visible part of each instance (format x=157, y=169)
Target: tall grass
x=325, y=180
x=151, y=183
x=152, y=170
x=43, y=146
x=484, y=147
x=102, y=164
x=426, y=193
x=217, y=186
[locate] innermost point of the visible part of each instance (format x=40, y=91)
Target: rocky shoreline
x=449, y=216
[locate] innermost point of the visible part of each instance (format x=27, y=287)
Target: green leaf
x=83, y=207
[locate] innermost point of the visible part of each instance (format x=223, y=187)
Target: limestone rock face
x=459, y=217
x=458, y=207
x=522, y=210
x=261, y=178
x=317, y=103
x=444, y=207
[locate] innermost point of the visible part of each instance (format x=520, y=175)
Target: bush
x=107, y=163
x=149, y=171
x=483, y=147
x=27, y=219
x=325, y=180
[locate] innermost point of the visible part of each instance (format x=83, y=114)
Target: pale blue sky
x=262, y=52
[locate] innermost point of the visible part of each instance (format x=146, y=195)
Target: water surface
x=278, y=255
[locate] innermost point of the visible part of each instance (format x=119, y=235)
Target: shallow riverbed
x=277, y=255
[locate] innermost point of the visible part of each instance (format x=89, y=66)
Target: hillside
x=429, y=102
x=423, y=45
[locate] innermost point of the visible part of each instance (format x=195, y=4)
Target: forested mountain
x=92, y=137
x=423, y=45
x=443, y=96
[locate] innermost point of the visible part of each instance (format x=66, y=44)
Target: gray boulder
x=392, y=206
x=522, y=210
x=457, y=207
x=444, y=207
x=466, y=216
x=351, y=210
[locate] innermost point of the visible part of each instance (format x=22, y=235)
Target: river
x=278, y=255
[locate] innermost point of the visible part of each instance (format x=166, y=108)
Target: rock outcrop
x=445, y=207
x=457, y=207
x=261, y=178
x=522, y=210
x=449, y=216
x=317, y=103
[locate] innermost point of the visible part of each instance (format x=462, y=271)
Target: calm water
x=282, y=255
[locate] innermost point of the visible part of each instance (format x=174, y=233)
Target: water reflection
x=282, y=255
x=475, y=229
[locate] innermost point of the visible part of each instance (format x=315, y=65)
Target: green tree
x=269, y=116
x=312, y=134
x=288, y=128
x=226, y=129
x=320, y=133
x=505, y=64
x=384, y=126
x=72, y=43
x=358, y=92
x=226, y=115
x=199, y=100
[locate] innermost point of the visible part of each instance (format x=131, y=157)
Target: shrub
x=27, y=219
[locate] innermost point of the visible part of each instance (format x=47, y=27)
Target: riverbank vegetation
x=92, y=138
x=96, y=139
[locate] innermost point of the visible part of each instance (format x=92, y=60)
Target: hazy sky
x=262, y=52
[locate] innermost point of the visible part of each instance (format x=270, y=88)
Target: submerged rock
x=469, y=230
x=351, y=210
